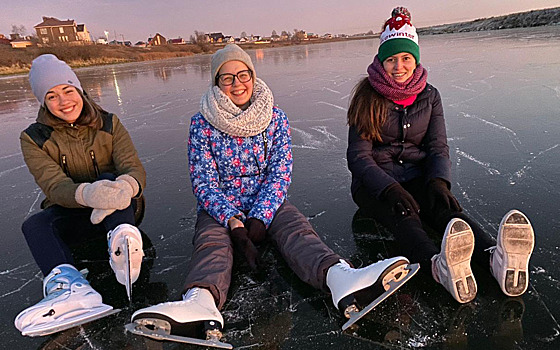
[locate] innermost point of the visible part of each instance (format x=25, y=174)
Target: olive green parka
x=61, y=156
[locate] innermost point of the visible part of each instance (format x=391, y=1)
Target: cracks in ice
x=512, y=134
x=37, y=276
x=521, y=173
x=4, y=172
x=331, y=90
x=323, y=130
x=557, y=328
x=486, y=166
x=310, y=141
x=30, y=210
x=148, y=159
x=332, y=105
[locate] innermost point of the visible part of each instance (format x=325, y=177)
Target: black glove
x=242, y=244
x=257, y=230
x=401, y=201
x=439, y=196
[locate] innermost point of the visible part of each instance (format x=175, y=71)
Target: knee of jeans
x=107, y=176
x=33, y=223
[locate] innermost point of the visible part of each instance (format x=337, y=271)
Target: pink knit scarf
x=392, y=90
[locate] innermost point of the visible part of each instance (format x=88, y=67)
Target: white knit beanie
x=47, y=71
x=231, y=52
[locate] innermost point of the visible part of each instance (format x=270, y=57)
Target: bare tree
x=299, y=35
x=243, y=34
x=18, y=31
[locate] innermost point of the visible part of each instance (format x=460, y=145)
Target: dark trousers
x=50, y=232
x=409, y=232
x=212, y=260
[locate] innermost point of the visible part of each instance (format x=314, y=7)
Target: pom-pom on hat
x=399, y=35
x=231, y=52
x=46, y=72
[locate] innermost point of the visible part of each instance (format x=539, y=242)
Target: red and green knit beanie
x=398, y=36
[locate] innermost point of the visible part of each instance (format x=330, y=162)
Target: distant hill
x=533, y=18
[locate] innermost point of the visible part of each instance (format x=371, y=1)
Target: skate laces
x=491, y=250
x=191, y=293
x=343, y=265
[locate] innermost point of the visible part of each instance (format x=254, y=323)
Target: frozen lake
x=501, y=94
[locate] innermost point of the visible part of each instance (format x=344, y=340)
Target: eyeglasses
x=227, y=79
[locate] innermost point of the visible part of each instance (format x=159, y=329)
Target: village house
x=157, y=40
x=178, y=41
x=21, y=44
x=53, y=31
x=4, y=40
x=216, y=37
x=83, y=33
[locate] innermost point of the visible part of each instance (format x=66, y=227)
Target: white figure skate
x=510, y=258
x=125, y=254
x=357, y=291
x=452, y=266
x=183, y=321
x=69, y=301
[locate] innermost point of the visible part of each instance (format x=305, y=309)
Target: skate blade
x=46, y=329
x=139, y=328
x=393, y=287
x=128, y=282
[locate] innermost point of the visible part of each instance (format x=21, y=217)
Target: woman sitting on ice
x=401, y=173
x=240, y=160
x=84, y=161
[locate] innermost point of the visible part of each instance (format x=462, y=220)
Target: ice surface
x=501, y=94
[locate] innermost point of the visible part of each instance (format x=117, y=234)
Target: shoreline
x=14, y=62
x=101, y=55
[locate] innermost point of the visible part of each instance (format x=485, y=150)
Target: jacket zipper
x=403, y=129
x=65, y=165
x=95, y=166
x=265, y=140
x=403, y=123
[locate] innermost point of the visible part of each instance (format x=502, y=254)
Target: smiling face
x=400, y=66
x=64, y=102
x=239, y=93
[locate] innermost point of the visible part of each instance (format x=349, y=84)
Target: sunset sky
x=137, y=19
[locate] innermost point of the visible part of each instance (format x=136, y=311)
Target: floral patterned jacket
x=245, y=176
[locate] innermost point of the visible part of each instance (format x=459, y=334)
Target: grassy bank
x=18, y=61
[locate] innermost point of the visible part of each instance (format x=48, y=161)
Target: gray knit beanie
x=47, y=71
x=231, y=52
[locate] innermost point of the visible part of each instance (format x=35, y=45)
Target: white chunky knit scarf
x=225, y=116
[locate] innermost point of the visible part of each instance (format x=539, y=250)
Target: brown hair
x=367, y=111
x=91, y=112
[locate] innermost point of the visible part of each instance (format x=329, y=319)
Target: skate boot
x=125, y=254
x=452, y=266
x=68, y=301
x=185, y=321
x=355, y=292
x=509, y=260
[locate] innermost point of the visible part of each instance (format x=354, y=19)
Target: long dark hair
x=91, y=112
x=367, y=111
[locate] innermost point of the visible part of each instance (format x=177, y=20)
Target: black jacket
x=414, y=144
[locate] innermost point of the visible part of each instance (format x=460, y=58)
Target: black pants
x=409, y=232
x=50, y=232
